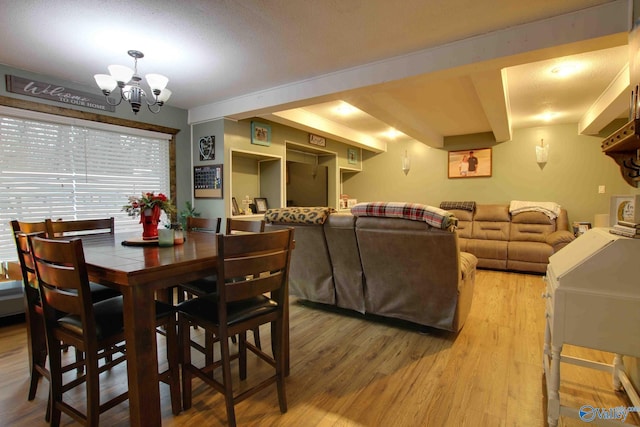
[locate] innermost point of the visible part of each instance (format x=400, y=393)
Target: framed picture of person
x=260, y=134
x=471, y=163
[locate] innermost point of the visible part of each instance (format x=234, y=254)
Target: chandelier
x=128, y=81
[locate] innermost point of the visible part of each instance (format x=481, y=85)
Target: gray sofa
x=503, y=241
x=392, y=267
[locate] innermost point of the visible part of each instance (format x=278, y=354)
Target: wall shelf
x=623, y=146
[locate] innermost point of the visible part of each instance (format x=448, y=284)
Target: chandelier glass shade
x=128, y=81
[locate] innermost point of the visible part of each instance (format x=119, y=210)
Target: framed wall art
x=472, y=163
x=207, y=182
x=207, y=147
x=260, y=134
x=317, y=140
x=625, y=208
x=579, y=228
x=261, y=204
x=234, y=207
x=352, y=156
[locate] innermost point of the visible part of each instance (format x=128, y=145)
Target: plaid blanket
x=465, y=206
x=433, y=216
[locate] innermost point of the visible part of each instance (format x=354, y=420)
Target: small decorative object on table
x=149, y=206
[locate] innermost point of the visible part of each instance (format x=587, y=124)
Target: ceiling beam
x=609, y=105
x=492, y=89
x=606, y=19
x=387, y=109
x=299, y=118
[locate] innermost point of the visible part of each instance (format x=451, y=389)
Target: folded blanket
x=550, y=209
x=465, y=206
x=435, y=217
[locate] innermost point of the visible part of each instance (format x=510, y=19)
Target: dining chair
x=207, y=285
x=239, y=225
x=203, y=224
x=249, y=266
x=80, y=227
x=37, y=346
x=97, y=329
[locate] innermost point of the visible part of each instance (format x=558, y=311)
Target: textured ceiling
x=247, y=57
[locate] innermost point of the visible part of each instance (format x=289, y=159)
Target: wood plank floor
x=348, y=371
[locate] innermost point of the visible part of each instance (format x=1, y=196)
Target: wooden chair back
x=203, y=224
x=80, y=227
x=252, y=264
x=244, y=226
x=64, y=287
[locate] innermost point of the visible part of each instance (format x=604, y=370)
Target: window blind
x=73, y=171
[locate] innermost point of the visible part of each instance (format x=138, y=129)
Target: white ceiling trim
x=313, y=123
x=599, y=21
x=609, y=105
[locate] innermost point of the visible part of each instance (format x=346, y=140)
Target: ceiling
x=430, y=69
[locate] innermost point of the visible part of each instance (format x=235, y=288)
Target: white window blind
x=72, y=171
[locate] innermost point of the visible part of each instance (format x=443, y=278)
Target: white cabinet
x=592, y=300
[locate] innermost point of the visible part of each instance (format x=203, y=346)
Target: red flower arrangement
x=149, y=201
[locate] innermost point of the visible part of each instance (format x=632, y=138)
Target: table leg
x=142, y=359
x=553, y=402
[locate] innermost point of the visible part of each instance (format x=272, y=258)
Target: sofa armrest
x=468, y=264
x=559, y=239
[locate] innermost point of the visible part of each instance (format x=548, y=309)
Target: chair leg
x=256, y=337
x=226, y=378
x=242, y=355
x=55, y=388
x=184, y=335
x=278, y=355
x=174, y=366
x=93, y=391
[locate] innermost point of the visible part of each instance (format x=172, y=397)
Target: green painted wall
x=571, y=177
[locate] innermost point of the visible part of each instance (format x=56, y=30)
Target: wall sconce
x=542, y=153
x=406, y=163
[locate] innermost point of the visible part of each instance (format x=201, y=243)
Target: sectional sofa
x=400, y=261
x=515, y=236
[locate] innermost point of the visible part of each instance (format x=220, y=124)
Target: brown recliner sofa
x=500, y=240
x=386, y=266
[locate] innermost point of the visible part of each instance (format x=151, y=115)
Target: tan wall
x=575, y=169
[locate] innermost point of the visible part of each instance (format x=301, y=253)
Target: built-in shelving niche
x=256, y=175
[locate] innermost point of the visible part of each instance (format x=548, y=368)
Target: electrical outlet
x=601, y=189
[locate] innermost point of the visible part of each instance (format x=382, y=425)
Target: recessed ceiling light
x=345, y=109
x=547, y=116
x=392, y=133
x=566, y=69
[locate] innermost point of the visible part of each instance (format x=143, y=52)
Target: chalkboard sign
x=207, y=182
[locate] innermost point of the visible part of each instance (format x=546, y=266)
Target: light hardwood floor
x=347, y=371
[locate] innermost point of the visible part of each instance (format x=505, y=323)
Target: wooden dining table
x=140, y=272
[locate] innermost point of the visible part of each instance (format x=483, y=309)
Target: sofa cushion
x=492, y=213
x=491, y=222
x=311, y=215
x=433, y=216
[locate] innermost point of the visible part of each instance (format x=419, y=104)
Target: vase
x=149, y=218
